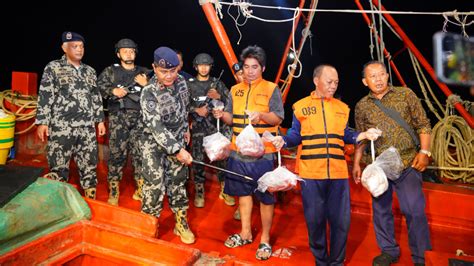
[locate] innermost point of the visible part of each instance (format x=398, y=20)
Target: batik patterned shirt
x=406, y=103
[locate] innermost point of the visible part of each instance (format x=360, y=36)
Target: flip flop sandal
x=236, y=240
x=263, y=248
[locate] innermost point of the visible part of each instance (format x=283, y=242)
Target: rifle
x=132, y=94
x=132, y=89
x=214, y=84
x=203, y=100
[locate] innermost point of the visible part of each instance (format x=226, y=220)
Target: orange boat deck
x=450, y=211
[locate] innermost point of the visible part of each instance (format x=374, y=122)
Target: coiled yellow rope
x=452, y=144
x=27, y=107
x=452, y=138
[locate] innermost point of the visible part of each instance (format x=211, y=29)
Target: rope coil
x=27, y=107
x=453, y=145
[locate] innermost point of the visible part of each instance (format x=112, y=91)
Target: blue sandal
x=236, y=240
x=264, y=251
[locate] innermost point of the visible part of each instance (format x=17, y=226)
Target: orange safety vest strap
x=237, y=116
x=322, y=156
x=256, y=126
x=321, y=146
x=336, y=150
x=322, y=136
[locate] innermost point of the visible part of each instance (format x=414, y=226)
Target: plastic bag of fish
x=216, y=146
x=249, y=143
x=387, y=165
x=280, y=179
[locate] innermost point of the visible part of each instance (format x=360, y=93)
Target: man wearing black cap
x=165, y=102
x=203, y=89
x=121, y=84
x=69, y=106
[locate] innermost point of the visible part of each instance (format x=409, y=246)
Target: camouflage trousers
x=63, y=143
x=198, y=153
x=125, y=130
x=162, y=173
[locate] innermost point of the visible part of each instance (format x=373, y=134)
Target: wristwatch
x=428, y=153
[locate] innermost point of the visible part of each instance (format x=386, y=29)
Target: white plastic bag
x=216, y=146
x=374, y=180
x=249, y=143
x=391, y=163
x=280, y=179
x=217, y=105
x=373, y=177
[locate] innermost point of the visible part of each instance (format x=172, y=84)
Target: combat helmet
x=203, y=59
x=126, y=43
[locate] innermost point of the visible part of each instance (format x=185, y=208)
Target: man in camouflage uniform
x=203, y=89
x=69, y=105
x=165, y=103
x=121, y=84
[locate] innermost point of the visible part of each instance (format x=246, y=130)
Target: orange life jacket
x=321, y=155
x=253, y=96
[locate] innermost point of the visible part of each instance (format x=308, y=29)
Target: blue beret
x=69, y=36
x=165, y=57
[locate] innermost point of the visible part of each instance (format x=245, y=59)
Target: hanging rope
x=376, y=35
x=382, y=42
x=292, y=68
x=461, y=21
x=424, y=85
x=27, y=107
x=236, y=21
x=306, y=33
x=353, y=11
x=245, y=11
x=372, y=45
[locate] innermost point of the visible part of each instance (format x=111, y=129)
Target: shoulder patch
x=150, y=105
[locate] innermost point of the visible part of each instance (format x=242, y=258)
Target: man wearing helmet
x=120, y=84
x=203, y=88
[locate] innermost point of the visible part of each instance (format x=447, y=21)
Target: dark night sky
x=31, y=36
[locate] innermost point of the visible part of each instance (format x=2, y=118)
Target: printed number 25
x=239, y=93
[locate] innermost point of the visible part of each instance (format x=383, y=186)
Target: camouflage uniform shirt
x=68, y=96
x=165, y=113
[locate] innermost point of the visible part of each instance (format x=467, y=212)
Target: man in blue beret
x=165, y=104
x=69, y=36
x=69, y=107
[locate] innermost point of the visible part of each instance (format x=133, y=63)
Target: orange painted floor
x=213, y=223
